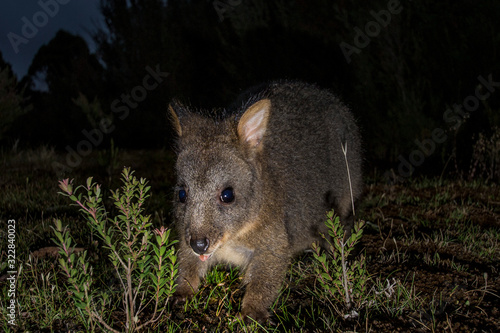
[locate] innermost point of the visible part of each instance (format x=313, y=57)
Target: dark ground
x=439, y=239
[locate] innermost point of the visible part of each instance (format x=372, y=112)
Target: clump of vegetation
x=12, y=101
x=485, y=161
x=342, y=281
x=145, y=268
x=431, y=248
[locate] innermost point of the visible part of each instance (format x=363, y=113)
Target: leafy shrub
x=146, y=269
x=341, y=280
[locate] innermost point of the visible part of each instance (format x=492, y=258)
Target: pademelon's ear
x=176, y=112
x=253, y=124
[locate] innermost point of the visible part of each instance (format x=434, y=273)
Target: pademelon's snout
x=199, y=246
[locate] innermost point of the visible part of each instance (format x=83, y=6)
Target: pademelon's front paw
x=178, y=299
x=249, y=314
x=182, y=293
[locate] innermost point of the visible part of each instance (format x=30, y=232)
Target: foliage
x=146, y=269
x=432, y=250
x=485, y=161
x=67, y=68
x=11, y=100
x=341, y=280
x=399, y=84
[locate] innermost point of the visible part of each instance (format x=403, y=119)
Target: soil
x=461, y=301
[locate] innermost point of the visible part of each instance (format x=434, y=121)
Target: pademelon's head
x=219, y=190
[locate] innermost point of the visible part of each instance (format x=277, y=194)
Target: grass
x=431, y=250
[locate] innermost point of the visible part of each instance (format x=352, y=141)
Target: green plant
x=485, y=162
x=341, y=280
x=12, y=101
x=109, y=159
x=393, y=296
x=78, y=272
x=144, y=268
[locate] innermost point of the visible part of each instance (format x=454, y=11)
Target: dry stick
x=344, y=263
x=344, y=274
x=131, y=305
x=344, y=150
x=98, y=317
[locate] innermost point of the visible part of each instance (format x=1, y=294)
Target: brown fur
x=280, y=151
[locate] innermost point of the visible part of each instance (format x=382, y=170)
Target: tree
x=12, y=101
x=65, y=69
x=178, y=37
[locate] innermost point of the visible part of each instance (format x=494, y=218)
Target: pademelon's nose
x=200, y=246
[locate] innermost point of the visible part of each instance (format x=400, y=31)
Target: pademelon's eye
x=227, y=195
x=182, y=195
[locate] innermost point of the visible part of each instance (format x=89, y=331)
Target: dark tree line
x=399, y=79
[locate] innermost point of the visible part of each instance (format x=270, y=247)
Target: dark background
x=400, y=82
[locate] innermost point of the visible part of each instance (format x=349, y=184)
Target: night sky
x=75, y=16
